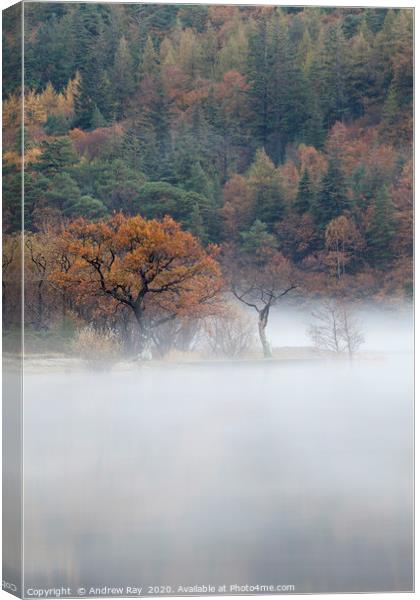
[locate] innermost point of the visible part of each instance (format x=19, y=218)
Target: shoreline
x=58, y=362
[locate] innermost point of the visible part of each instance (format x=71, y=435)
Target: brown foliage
x=237, y=207
x=154, y=268
x=94, y=144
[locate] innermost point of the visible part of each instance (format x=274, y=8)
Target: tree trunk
x=63, y=309
x=40, y=316
x=262, y=324
x=144, y=338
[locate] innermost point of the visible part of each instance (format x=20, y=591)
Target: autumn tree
x=153, y=267
x=253, y=126
x=341, y=240
x=297, y=237
x=237, y=207
x=44, y=301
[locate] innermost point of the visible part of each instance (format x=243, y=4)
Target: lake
x=296, y=473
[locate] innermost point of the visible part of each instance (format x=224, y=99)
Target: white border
x=361, y=3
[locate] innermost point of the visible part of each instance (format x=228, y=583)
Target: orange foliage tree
x=237, y=208
x=152, y=267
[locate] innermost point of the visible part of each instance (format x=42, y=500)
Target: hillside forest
x=182, y=161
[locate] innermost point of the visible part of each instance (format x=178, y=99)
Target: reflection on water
x=298, y=474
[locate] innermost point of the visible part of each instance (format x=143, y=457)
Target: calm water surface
x=298, y=474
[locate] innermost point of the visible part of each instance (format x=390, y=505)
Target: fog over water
x=294, y=472
x=385, y=329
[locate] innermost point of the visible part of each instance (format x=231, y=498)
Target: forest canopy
x=260, y=129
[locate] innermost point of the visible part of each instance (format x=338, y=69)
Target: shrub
x=98, y=348
x=231, y=335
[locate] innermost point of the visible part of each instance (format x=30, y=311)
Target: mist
x=386, y=329
x=293, y=472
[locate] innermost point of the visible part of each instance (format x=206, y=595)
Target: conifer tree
x=149, y=59
x=381, y=229
x=334, y=78
x=86, y=206
x=315, y=128
x=199, y=181
x=332, y=199
x=390, y=117
x=88, y=31
x=97, y=119
x=358, y=79
x=64, y=193
x=123, y=79
x=259, y=78
x=305, y=195
x=375, y=18
x=257, y=238
x=57, y=155
x=195, y=224
x=266, y=190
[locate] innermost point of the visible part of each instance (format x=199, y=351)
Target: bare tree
x=181, y=334
x=231, y=334
x=335, y=328
x=351, y=331
x=260, y=283
x=10, y=258
x=39, y=255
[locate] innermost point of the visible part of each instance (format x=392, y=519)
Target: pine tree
x=381, y=230
x=332, y=199
x=149, y=59
x=390, y=117
x=278, y=87
x=375, y=18
x=56, y=155
x=64, y=193
x=358, y=80
x=258, y=73
x=106, y=101
x=87, y=207
x=199, y=181
x=195, y=223
x=88, y=31
x=141, y=149
x=123, y=80
x=335, y=72
x=315, y=128
x=292, y=84
x=257, y=238
x=97, y=119
x=305, y=195
x=266, y=190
